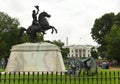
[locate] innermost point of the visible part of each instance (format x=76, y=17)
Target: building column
x=81, y=52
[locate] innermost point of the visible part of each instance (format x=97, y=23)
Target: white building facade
x=80, y=50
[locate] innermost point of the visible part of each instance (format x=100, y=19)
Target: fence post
x=60, y=77
x=105, y=77
x=110, y=76
x=5, y=77
x=13, y=77
x=28, y=77
x=92, y=78
x=0, y=78
x=79, y=77
x=47, y=77
x=37, y=80
x=83, y=76
x=52, y=79
x=75, y=77
x=97, y=78
x=18, y=77
x=33, y=77
x=118, y=77
x=56, y=77
x=42, y=78
x=70, y=79
x=101, y=76
x=65, y=78
x=23, y=77
x=114, y=77
x=9, y=73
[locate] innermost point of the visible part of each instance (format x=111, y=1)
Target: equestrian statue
x=39, y=24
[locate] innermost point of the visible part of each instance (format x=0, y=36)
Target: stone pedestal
x=35, y=57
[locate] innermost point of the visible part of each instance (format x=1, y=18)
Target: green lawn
x=1, y=70
x=103, y=77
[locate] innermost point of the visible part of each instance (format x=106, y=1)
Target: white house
x=80, y=50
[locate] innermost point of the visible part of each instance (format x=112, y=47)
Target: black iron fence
x=102, y=77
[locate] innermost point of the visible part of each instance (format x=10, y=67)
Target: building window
x=83, y=55
x=76, y=50
x=79, y=51
x=79, y=55
x=84, y=50
x=76, y=55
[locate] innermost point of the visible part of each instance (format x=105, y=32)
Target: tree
x=106, y=32
x=113, y=40
x=100, y=28
x=94, y=53
x=8, y=33
x=117, y=19
x=59, y=43
x=64, y=52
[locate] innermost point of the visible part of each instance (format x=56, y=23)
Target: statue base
x=40, y=57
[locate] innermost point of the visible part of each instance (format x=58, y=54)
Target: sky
x=72, y=18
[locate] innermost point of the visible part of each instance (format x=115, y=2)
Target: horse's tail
x=21, y=31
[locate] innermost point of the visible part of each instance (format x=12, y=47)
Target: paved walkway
x=113, y=68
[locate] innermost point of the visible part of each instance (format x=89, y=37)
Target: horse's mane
x=41, y=15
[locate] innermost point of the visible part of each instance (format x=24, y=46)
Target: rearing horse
x=41, y=26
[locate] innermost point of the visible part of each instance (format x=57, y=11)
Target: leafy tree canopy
x=106, y=32
x=8, y=33
x=101, y=27
x=94, y=53
x=113, y=40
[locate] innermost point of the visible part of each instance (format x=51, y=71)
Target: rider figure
x=34, y=16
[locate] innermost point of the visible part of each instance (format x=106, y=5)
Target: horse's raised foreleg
x=53, y=28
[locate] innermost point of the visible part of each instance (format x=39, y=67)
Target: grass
x=1, y=70
x=102, y=77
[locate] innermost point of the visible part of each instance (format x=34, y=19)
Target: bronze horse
x=41, y=26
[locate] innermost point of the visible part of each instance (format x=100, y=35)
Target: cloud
x=73, y=18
